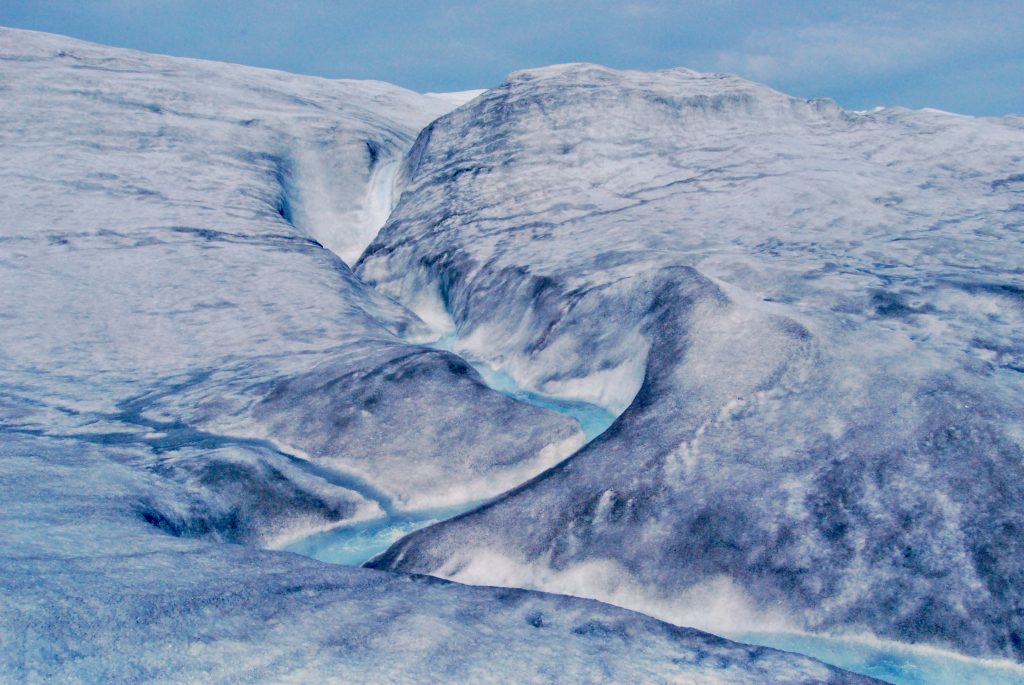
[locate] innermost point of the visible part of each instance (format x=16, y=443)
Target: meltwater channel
x=900, y=664
x=356, y=543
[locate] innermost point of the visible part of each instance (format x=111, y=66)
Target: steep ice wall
x=811, y=318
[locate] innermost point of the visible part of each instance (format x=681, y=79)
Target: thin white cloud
x=872, y=43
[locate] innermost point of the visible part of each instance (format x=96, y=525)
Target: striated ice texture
x=812, y=324
x=183, y=365
x=163, y=271
x=90, y=593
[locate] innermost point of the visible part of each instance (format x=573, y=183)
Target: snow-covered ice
x=92, y=593
x=811, y=318
x=184, y=365
x=162, y=265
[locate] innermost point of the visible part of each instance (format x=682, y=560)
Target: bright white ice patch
x=323, y=211
x=458, y=98
x=377, y=205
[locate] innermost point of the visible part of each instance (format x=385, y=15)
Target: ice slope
x=182, y=363
x=810, y=319
x=163, y=271
x=91, y=593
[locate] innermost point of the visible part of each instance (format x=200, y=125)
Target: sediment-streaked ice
x=184, y=365
x=92, y=593
x=163, y=268
x=810, y=319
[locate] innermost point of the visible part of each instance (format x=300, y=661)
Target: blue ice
x=357, y=543
x=892, y=662
x=593, y=419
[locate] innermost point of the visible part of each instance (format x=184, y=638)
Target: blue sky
x=956, y=55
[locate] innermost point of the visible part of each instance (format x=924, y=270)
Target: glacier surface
x=183, y=366
x=163, y=273
x=808, y=320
